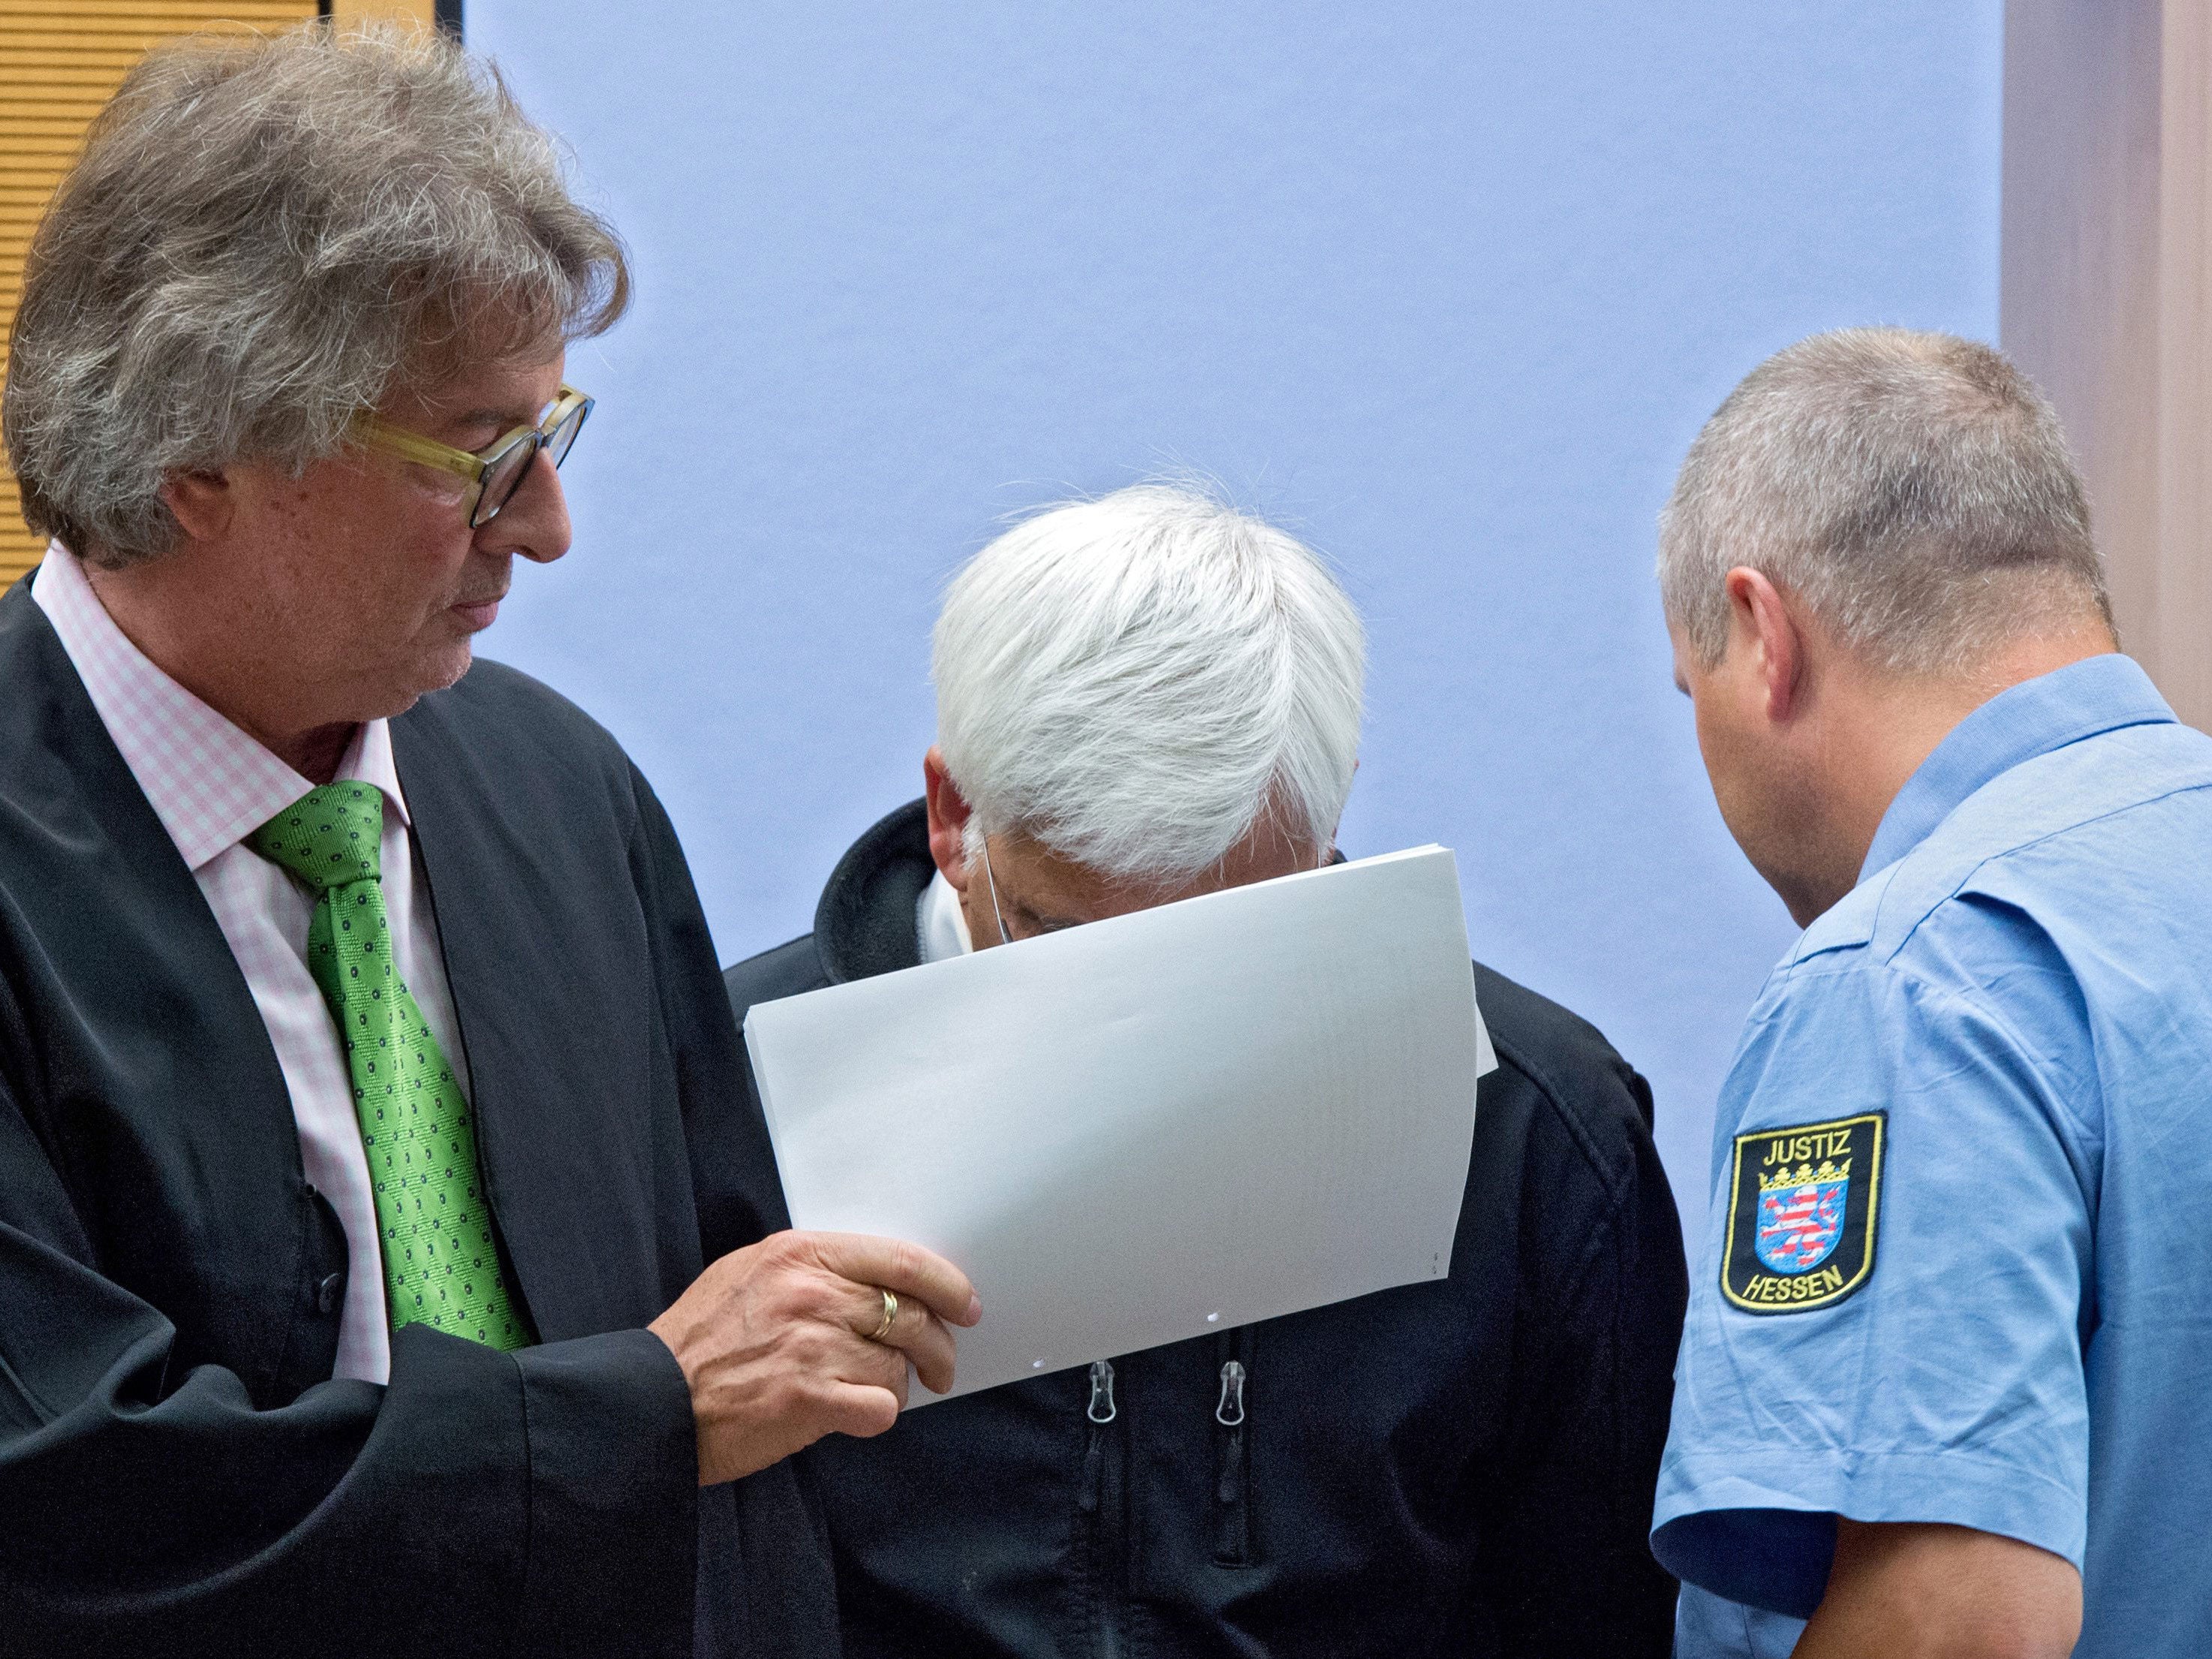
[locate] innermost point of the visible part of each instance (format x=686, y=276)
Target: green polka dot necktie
x=441, y=1266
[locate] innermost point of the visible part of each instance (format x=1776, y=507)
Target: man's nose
x=534, y=523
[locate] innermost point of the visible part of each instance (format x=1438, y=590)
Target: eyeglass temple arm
x=429, y=452
x=992, y=881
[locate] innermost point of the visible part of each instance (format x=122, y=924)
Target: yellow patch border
x=1880, y=1122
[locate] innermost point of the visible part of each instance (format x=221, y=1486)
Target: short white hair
x=1141, y=680
x=1913, y=490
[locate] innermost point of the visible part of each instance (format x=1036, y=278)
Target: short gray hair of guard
x=264, y=238
x=1141, y=680
x=1913, y=490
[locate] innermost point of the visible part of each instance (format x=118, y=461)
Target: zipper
x=1232, y=1508
x=1101, y=1510
x=1100, y=1412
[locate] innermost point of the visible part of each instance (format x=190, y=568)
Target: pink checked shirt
x=211, y=785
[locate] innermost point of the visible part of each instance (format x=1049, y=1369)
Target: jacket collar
x=866, y=923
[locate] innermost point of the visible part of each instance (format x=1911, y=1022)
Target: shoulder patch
x=1802, y=1206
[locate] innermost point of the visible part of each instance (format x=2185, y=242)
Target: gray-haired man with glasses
x=389, y=1256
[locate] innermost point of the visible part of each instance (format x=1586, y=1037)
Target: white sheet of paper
x=1149, y=1128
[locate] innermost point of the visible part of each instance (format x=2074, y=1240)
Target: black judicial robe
x=179, y=1472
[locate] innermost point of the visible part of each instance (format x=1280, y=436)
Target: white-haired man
x=351, y=1245
x=1140, y=699
x=1941, y=1385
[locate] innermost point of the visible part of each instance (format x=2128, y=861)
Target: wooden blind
x=60, y=60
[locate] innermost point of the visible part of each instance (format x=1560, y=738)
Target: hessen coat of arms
x=1800, y=1215
x=1803, y=1205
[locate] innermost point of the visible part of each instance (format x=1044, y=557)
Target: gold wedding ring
x=890, y=1313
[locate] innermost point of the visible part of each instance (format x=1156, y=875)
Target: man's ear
x=1332, y=853
x=201, y=502
x=1760, y=622
x=948, y=819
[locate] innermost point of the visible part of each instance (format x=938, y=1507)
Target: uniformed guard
x=1941, y=1386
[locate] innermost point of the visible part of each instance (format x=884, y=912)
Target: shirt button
x=327, y=1293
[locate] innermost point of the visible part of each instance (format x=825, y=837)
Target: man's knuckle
x=899, y=1259
x=829, y=1302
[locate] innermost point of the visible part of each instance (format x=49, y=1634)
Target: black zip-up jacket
x=1464, y=1467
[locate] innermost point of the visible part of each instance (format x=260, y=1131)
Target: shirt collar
x=940, y=922
x=2098, y=694
x=209, y=782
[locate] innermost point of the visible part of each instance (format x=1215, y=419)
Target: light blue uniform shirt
x=2008, y=1323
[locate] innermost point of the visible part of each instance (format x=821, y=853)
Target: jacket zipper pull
x=1100, y=1412
x=1230, y=1412
x=1232, y=1539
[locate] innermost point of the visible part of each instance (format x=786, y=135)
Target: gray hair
x=1139, y=681
x=263, y=240
x=1913, y=490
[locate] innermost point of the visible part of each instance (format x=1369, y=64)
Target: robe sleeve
x=481, y=1503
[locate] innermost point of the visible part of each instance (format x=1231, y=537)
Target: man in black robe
x=388, y=1249
x=1141, y=699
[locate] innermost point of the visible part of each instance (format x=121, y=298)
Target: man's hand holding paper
x=805, y=1335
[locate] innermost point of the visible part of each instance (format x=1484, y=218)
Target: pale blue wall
x=1446, y=286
